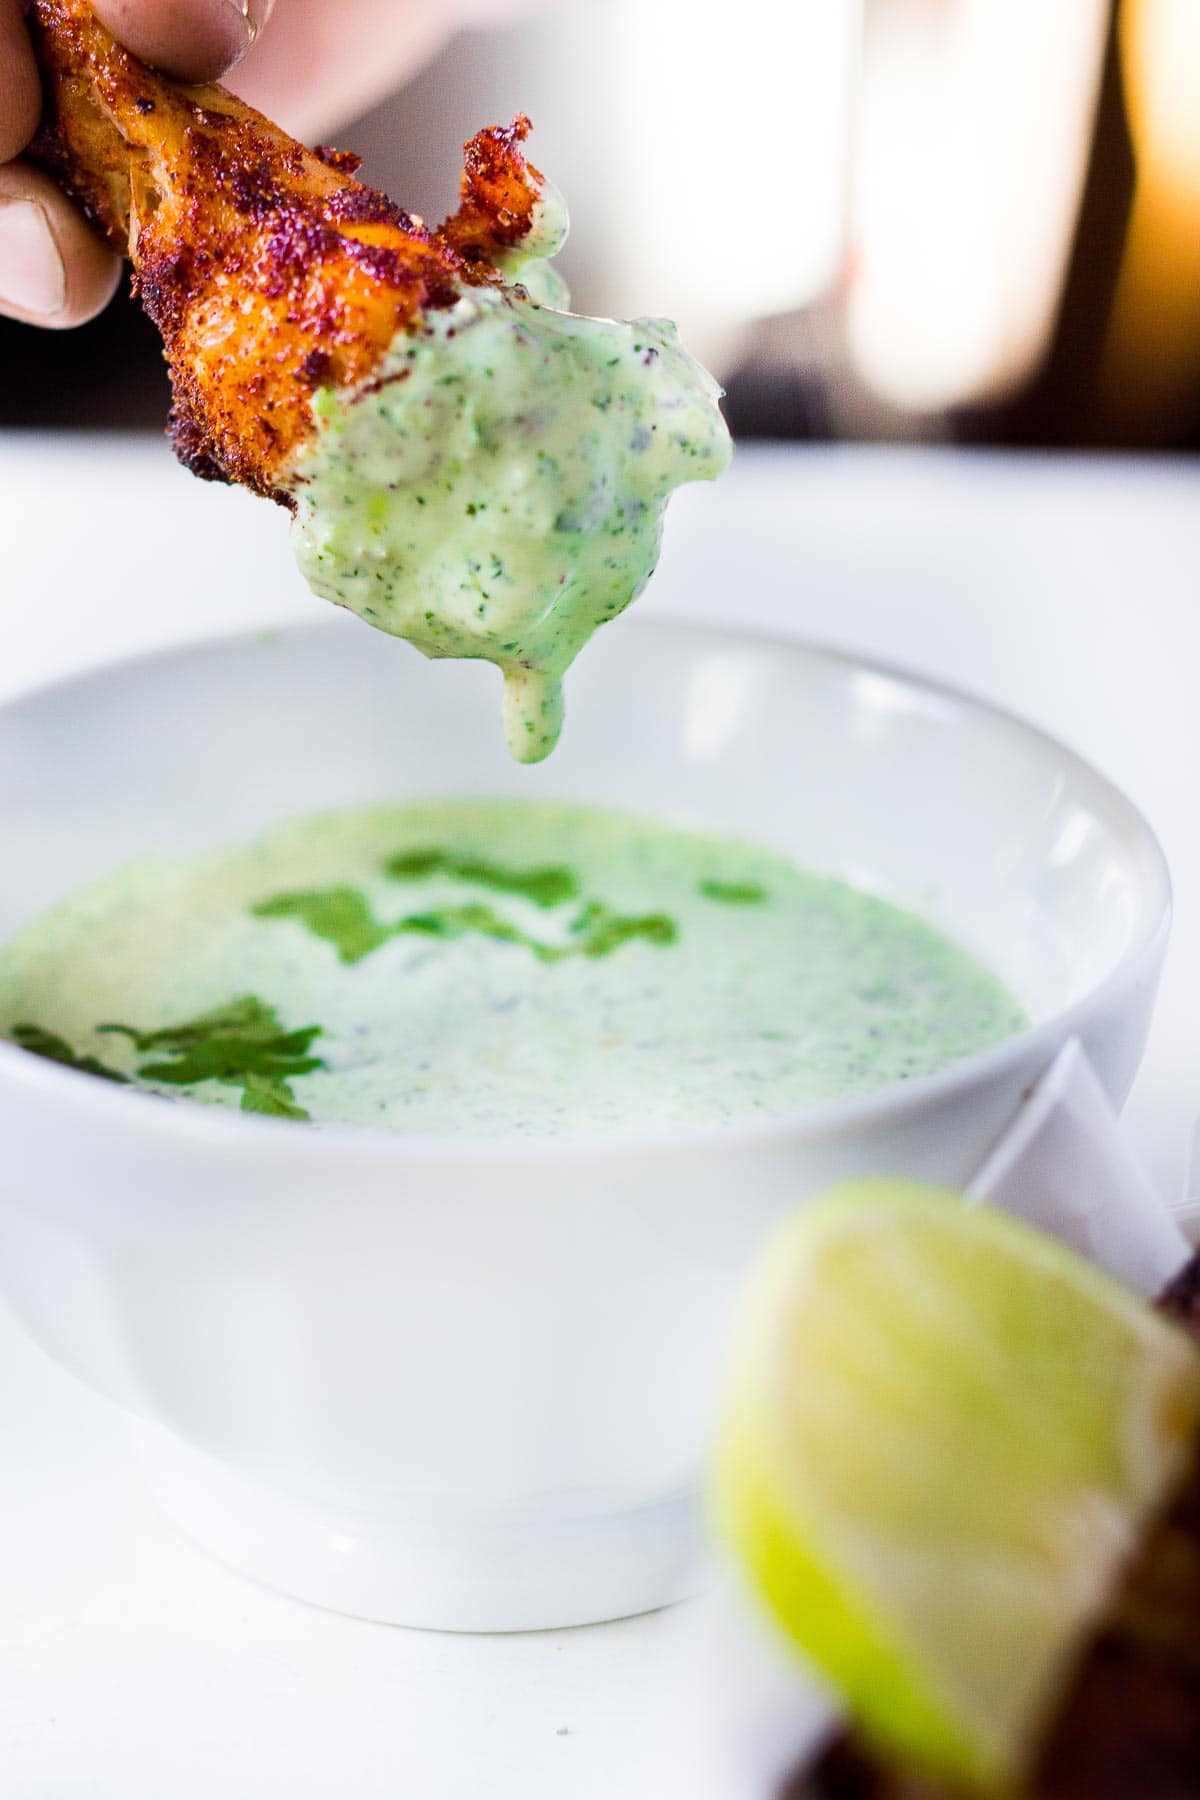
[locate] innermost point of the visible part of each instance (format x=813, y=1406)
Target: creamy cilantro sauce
x=497, y=489
x=466, y=967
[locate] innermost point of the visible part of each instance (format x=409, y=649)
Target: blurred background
x=971, y=221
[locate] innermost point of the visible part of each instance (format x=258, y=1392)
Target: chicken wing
x=268, y=269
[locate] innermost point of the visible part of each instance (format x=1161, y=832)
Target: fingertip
x=193, y=40
x=54, y=271
x=93, y=276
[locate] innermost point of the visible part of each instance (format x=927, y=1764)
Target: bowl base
x=531, y=1569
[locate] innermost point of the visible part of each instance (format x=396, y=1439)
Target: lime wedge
x=943, y=1437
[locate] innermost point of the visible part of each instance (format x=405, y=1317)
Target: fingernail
x=253, y=14
x=32, y=276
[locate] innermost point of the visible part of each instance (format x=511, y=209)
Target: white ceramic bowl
x=467, y=1384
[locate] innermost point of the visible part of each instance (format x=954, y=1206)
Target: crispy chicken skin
x=269, y=270
x=1129, y=1726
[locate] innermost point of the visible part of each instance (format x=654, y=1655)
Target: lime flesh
x=942, y=1440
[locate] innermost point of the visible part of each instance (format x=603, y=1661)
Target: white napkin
x=1188, y=1214
x=1065, y=1166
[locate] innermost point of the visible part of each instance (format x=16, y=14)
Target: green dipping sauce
x=497, y=967
x=497, y=488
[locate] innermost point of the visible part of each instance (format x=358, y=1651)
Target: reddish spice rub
x=498, y=195
x=268, y=268
x=1128, y=1726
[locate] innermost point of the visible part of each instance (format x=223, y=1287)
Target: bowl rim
x=219, y=1127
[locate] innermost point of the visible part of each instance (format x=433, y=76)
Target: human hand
x=54, y=270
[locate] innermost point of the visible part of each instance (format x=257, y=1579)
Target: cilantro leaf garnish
x=265, y=1094
x=343, y=917
x=48, y=1044
x=340, y=915
x=600, y=931
x=546, y=887
x=452, y=921
x=242, y=1044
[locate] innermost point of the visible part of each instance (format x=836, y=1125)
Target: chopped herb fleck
x=734, y=893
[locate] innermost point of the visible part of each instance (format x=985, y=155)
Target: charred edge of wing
x=499, y=196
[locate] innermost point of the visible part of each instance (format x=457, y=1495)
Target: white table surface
x=131, y=1668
